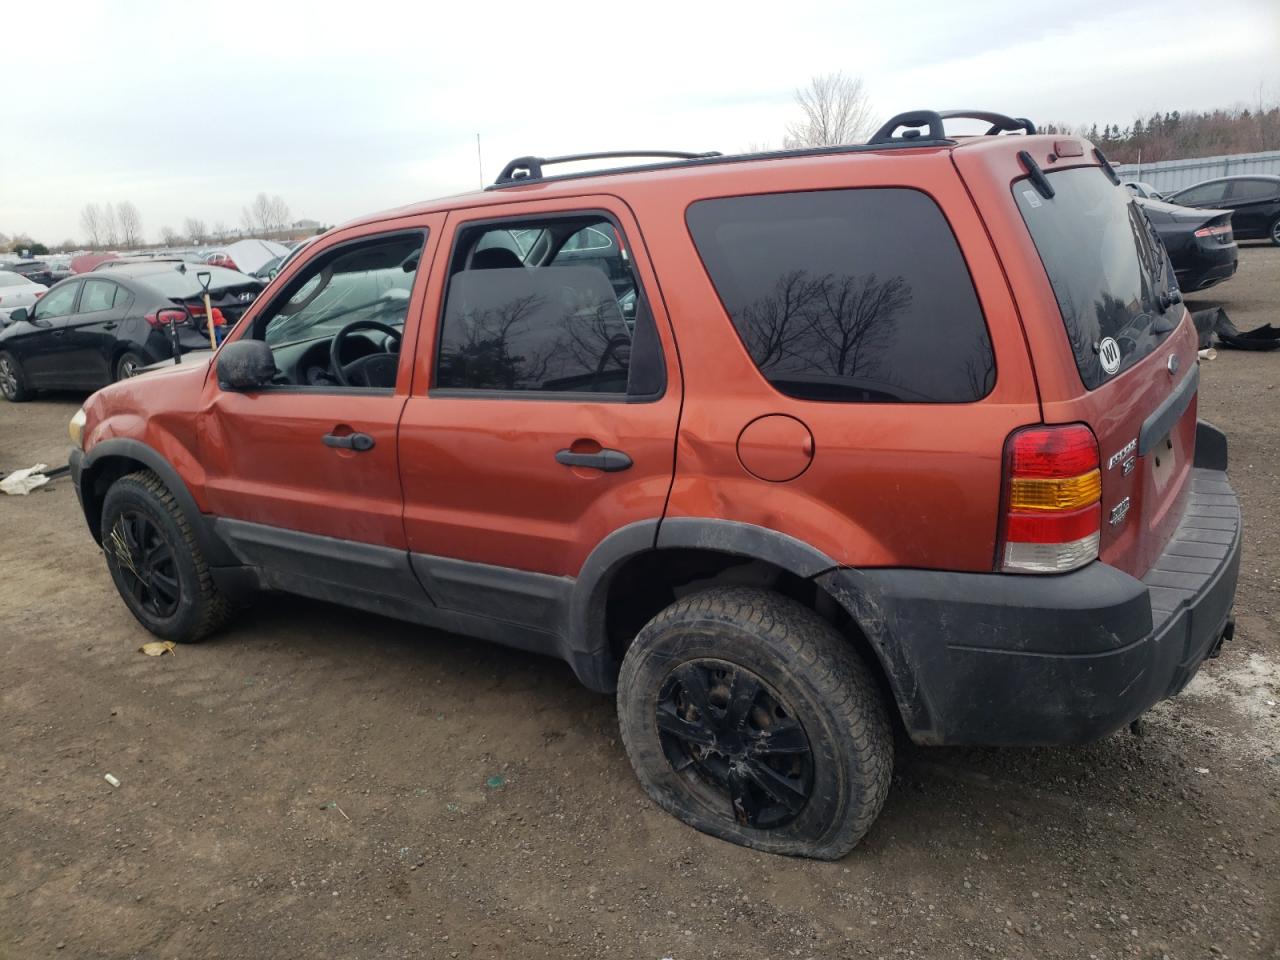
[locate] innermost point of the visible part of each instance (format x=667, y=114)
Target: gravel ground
x=321, y=783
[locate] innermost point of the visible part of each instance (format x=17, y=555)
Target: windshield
x=1108, y=270
x=368, y=283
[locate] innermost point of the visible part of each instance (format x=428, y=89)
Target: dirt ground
x=321, y=783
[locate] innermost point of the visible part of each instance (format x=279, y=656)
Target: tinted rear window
x=848, y=295
x=174, y=284
x=1106, y=269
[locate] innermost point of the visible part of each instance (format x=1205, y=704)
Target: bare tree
x=197, y=232
x=247, y=221
x=836, y=111
x=279, y=213
x=67, y=246
x=220, y=230
x=110, y=226
x=170, y=237
x=130, y=222
x=92, y=225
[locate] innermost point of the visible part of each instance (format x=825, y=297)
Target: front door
x=545, y=403
x=302, y=475
x=42, y=347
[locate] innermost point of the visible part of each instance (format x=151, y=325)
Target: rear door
x=1110, y=349
x=544, y=406
x=90, y=331
x=1253, y=204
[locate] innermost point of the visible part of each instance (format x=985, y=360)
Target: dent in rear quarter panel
x=891, y=484
x=160, y=409
x=1116, y=409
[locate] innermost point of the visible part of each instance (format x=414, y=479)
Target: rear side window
x=848, y=295
x=1106, y=269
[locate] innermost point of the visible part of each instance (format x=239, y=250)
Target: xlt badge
x=1119, y=512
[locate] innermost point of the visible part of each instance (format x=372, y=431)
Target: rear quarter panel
x=890, y=484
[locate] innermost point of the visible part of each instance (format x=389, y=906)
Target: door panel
x=90, y=332
x=284, y=456
x=481, y=476
x=44, y=351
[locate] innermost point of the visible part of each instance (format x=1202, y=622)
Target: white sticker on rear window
x=1032, y=198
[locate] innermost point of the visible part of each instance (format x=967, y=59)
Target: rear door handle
x=610, y=461
x=359, y=442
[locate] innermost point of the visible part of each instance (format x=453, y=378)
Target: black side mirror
x=245, y=365
x=18, y=315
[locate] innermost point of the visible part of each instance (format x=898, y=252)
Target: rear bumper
x=993, y=659
x=1207, y=265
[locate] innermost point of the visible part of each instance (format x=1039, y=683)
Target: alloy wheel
x=147, y=562
x=738, y=747
x=128, y=368
x=1275, y=232
x=8, y=378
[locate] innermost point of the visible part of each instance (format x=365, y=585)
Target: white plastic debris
x=111, y=780
x=21, y=482
x=1209, y=354
x=1202, y=770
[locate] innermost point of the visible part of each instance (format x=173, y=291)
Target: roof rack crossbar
x=999, y=122
x=530, y=168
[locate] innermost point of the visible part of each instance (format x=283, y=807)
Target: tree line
x=1179, y=135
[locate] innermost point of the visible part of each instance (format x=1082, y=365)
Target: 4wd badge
x=1109, y=355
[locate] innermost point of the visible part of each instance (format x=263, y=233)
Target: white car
x=17, y=291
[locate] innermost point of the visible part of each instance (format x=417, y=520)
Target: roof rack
x=524, y=170
x=911, y=122
x=530, y=168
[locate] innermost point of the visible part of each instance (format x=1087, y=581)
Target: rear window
x=1106, y=269
x=174, y=284
x=848, y=295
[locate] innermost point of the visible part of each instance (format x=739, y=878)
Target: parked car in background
x=268, y=270
x=88, y=261
x=1253, y=200
x=91, y=330
x=37, y=270
x=1144, y=190
x=17, y=291
x=1200, y=243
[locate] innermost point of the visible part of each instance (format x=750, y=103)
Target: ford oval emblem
x=1173, y=364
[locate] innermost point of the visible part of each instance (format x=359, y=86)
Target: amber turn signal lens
x=1068, y=493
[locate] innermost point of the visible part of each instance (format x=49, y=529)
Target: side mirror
x=18, y=315
x=245, y=365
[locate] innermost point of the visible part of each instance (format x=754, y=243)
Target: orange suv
x=786, y=449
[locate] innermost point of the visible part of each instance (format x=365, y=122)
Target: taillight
x=1052, y=493
x=1221, y=230
x=162, y=318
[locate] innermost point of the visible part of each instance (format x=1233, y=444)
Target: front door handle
x=610, y=461
x=359, y=442
x=110, y=326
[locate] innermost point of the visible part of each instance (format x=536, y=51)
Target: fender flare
x=215, y=551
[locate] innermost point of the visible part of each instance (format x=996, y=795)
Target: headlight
x=76, y=429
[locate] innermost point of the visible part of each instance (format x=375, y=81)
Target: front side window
x=550, y=306
x=57, y=303
x=98, y=295
x=365, y=282
x=848, y=295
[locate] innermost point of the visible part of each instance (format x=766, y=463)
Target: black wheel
x=129, y=364
x=156, y=563
x=750, y=718
x=1274, y=232
x=13, y=383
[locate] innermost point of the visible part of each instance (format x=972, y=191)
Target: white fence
x=1170, y=175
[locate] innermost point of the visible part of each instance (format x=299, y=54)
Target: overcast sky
x=190, y=109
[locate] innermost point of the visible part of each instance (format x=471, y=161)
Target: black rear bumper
x=989, y=659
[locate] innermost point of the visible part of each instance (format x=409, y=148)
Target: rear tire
x=156, y=563
x=128, y=365
x=13, y=383
x=1274, y=232
x=808, y=769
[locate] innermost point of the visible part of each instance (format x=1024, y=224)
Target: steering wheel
x=375, y=370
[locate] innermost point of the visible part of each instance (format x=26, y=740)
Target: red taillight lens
x=1221, y=230
x=162, y=318
x=1052, y=488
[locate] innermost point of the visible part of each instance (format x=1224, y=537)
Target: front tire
x=155, y=562
x=13, y=382
x=1274, y=232
x=747, y=716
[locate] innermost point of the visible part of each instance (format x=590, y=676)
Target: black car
x=35, y=270
x=94, y=328
x=1254, y=202
x=1201, y=244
